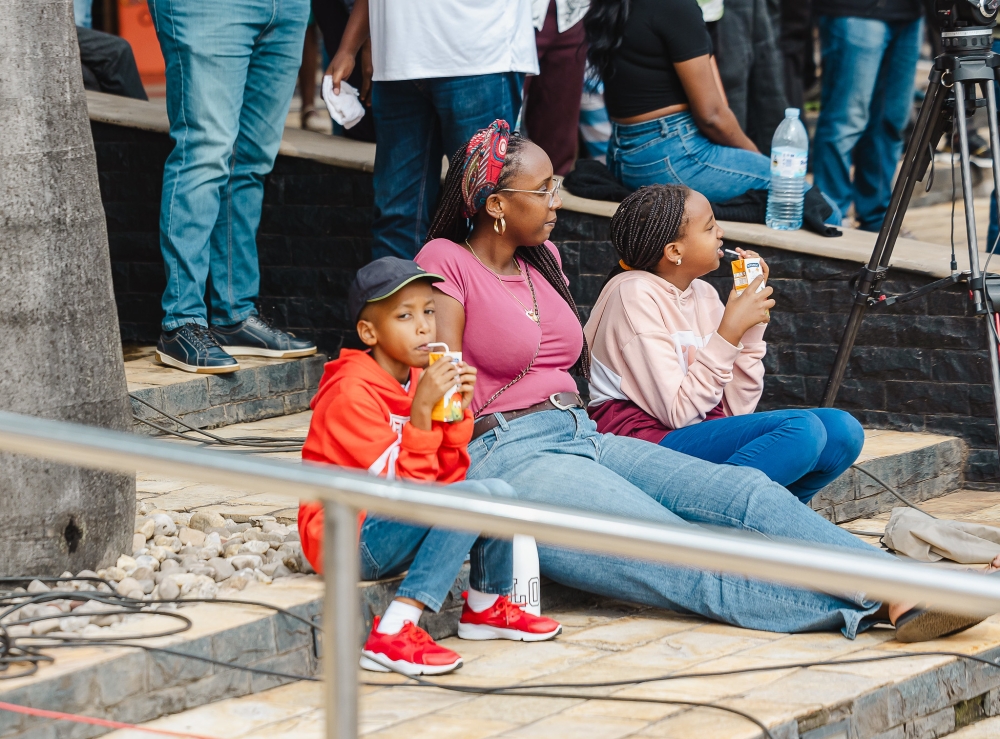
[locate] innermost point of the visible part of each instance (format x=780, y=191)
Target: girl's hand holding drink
x=750, y=301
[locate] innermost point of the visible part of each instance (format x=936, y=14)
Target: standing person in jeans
x=552, y=99
x=230, y=70
x=869, y=57
x=442, y=69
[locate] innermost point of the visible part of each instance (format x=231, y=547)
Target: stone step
x=915, y=698
x=133, y=685
x=262, y=388
x=919, y=466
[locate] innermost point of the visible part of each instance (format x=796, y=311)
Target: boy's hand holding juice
x=453, y=382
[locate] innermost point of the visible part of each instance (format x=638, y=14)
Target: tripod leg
x=991, y=334
x=909, y=173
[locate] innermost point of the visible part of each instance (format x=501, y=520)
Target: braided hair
x=645, y=222
x=450, y=223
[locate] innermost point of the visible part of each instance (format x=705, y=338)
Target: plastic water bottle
x=789, y=155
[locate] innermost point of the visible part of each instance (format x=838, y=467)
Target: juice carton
x=746, y=271
x=449, y=408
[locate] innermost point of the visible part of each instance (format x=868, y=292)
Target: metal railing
x=345, y=493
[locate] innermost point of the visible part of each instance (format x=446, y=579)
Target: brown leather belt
x=556, y=402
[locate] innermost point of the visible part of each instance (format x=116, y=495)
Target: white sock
x=479, y=602
x=396, y=615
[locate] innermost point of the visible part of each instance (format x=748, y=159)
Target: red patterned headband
x=484, y=158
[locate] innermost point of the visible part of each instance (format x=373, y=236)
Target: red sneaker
x=411, y=651
x=504, y=620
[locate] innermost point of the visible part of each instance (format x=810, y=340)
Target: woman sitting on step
x=672, y=365
x=505, y=303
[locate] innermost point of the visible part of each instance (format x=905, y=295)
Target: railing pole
x=341, y=613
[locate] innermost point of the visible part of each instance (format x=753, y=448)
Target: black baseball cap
x=379, y=279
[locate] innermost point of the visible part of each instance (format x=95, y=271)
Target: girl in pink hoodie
x=668, y=356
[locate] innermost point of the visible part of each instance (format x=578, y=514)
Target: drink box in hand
x=449, y=408
x=789, y=157
x=746, y=271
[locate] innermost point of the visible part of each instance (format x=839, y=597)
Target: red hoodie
x=361, y=419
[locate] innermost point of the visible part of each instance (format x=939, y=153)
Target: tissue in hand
x=344, y=108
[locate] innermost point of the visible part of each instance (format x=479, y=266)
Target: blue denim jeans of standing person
x=994, y=229
x=868, y=80
x=435, y=556
x=231, y=70
x=558, y=458
x=673, y=151
x=802, y=450
x=416, y=123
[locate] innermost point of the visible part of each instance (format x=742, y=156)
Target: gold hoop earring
x=500, y=225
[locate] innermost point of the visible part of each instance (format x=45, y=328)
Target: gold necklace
x=533, y=312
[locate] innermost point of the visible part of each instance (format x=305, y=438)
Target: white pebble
x=254, y=547
x=246, y=561
x=126, y=563
x=37, y=586
x=128, y=585
x=159, y=553
x=163, y=525
x=262, y=576
x=168, y=590
x=193, y=537
x=71, y=624
x=135, y=594
x=145, y=527
x=117, y=574
x=147, y=561
x=204, y=520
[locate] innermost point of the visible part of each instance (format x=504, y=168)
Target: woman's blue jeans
x=672, y=151
x=435, y=556
x=803, y=450
x=231, y=71
x=558, y=458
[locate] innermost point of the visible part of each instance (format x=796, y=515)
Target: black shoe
x=254, y=337
x=192, y=348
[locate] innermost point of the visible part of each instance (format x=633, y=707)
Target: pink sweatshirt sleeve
x=743, y=392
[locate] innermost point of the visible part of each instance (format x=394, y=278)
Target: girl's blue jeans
x=434, y=556
x=673, y=151
x=558, y=458
x=803, y=450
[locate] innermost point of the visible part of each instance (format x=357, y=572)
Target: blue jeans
x=434, y=556
x=416, y=123
x=672, y=151
x=82, y=12
x=231, y=70
x=994, y=229
x=558, y=458
x=868, y=79
x=802, y=450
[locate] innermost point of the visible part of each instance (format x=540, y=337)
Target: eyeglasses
x=551, y=193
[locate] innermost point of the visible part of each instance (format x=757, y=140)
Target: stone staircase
x=914, y=698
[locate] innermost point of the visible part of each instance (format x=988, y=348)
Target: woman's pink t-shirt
x=499, y=339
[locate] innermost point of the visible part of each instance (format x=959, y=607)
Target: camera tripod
x=965, y=63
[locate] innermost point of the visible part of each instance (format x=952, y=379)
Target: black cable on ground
x=262, y=442
x=892, y=491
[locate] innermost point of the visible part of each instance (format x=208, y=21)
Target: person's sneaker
x=192, y=348
x=255, y=337
x=504, y=620
x=411, y=651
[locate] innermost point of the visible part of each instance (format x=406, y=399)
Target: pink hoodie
x=655, y=346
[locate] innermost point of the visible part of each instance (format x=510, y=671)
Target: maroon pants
x=552, y=109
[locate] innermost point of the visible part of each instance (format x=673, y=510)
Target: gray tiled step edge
x=210, y=401
x=139, y=686
x=920, y=474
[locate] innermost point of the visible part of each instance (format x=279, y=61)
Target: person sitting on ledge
x=506, y=304
x=668, y=356
x=373, y=412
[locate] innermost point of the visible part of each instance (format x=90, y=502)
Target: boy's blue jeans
x=868, y=80
x=231, y=70
x=435, y=556
x=416, y=123
x=803, y=450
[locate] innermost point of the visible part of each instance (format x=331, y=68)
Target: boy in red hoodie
x=373, y=411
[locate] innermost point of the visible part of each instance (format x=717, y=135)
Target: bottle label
x=788, y=164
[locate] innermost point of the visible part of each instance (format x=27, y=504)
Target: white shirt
x=568, y=13
x=420, y=39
